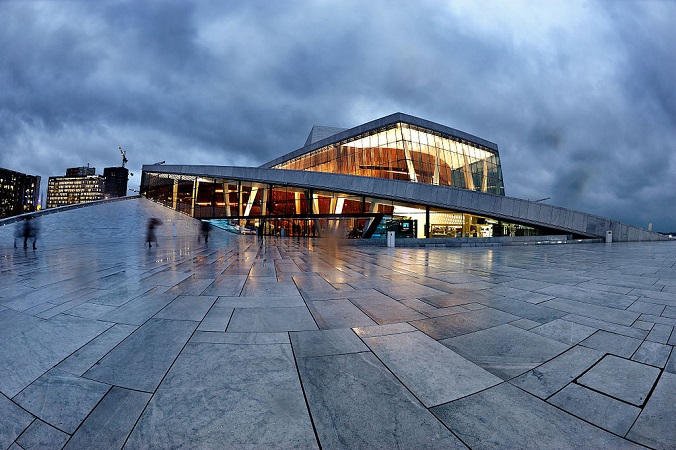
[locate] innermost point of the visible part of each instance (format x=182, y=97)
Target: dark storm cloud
x=578, y=95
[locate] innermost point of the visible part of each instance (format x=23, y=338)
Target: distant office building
x=115, y=181
x=19, y=193
x=83, y=171
x=78, y=186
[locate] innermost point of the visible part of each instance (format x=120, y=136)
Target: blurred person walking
x=205, y=228
x=150, y=235
x=26, y=230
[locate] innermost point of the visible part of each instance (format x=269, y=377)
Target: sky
x=579, y=95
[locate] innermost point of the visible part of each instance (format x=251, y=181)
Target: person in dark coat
x=28, y=231
x=205, y=228
x=150, y=236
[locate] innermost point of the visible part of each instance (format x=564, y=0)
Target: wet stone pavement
x=295, y=343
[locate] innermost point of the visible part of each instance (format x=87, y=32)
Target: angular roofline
x=379, y=123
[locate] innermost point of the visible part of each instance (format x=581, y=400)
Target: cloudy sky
x=579, y=95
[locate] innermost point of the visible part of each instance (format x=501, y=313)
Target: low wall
x=44, y=212
x=472, y=242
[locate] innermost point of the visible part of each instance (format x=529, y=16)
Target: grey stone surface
x=357, y=403
x=607, y=326
x=655, y=425
x=564, y=331
x=507, y=417
x=110, y=423
x=228, y=396
x=141, y=360
x=33, y=352
x=646, y=307
x=660, y=333
x=652, y=353
x=612, y=343
x=61, y=399
x=547, y=379
x=505, y=350
x=226, y=285
x=187, y=307
x=671, y=363
x=240, y=338
x=340, y=313
x=383, y=309
x=621, y=378
x=326, y=342
x=523, y=309
x=13, y=323
x=609, y=314
x=108, y=285
x=594, y=297
x=42, y=435
x=217, y=318
x=434, y=373
x=261, y=302
x=402, y=289
x=191, y=286
x=137, y=311
x=269, y=287
x=14, y=421
x=86, y=356
x=382, y=330
x=463, y=323
x=601, y=410
x=526, y=324
x=271, y=320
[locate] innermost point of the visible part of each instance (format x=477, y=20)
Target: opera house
x=397, y=173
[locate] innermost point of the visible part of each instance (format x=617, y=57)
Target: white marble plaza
x=297, y=343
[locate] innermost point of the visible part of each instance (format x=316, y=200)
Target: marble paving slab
x=357, y=403
x=548, y=378
x=272, y=319
x=621, y=378
x=655, y=425
x=433, y=372
x=228, y=396
x=111, y=421
x=505, y=350
x=506, y=417
x=142, y=359
x=458, y=324
x=61, y=399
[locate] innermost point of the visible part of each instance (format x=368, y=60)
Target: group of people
x=28, y=230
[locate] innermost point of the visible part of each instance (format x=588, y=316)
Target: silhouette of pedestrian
x=27, y=230
x=205, y=228
x=150, y=236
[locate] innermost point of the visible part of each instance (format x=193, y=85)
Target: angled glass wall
x=251, y=207
x=403, y=151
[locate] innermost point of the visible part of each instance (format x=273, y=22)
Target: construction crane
x=124, y=156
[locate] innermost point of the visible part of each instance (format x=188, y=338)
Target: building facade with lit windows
x=62, y=191
x=81, y=184
x=19, y=193
x=397, y=173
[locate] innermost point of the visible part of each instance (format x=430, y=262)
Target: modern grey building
x=401, y=173
x=115, y=182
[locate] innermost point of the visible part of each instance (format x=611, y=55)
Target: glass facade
x=403, y=151
x=258, y=208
